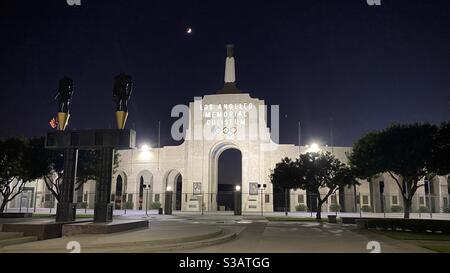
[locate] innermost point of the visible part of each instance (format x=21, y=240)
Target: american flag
x=53, y=123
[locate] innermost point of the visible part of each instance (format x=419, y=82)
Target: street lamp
x=146, y=189
x=145, y=152
x=428, y=185
x=168, y=201
x=237, y=200
x=262, y=187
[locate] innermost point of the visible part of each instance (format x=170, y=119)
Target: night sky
x=336, y=63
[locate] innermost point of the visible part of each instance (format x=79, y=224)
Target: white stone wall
x=196, y=161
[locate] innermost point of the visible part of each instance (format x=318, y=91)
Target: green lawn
x=438, y=249
x=403, y=235
x=292, y=219
x=53, y=216
x=43, y=215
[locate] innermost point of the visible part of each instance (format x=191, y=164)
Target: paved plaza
x=222, y=233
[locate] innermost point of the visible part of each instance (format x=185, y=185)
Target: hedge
x=416, y=225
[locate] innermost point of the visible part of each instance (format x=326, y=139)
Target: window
x=445, y=201
x=267, y=198
x=156, y=197
x=394, y=200
x=365, y=199
x=301, y=199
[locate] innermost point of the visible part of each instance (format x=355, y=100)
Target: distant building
x=230, y=119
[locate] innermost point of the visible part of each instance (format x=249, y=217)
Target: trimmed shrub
x=334, y=207
x=396, y=209
x=447, y=209
x=366, y=208
x=300, y=207
x=415, y=225
x=424, y=209
x=155, y=205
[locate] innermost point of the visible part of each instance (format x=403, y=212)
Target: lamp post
x=35, y=197
x=146, y=189
x=203, y=198
x=237, y=200
x=168, y=201
x=262, y=187
x=86, y=199
x=428, y=182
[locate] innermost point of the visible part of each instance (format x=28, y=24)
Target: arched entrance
x=229, y=176
x=118, y=201
x=222, y=197
x=174, y=180
x=145, y=190
x=119, y=189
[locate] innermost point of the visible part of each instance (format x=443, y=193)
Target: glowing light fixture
x=145, y=152
x=238, y=188
x=313, y=148
x=145, y=148
x=169, y=188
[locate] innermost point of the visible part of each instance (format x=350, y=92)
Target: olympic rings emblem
x=229, y=131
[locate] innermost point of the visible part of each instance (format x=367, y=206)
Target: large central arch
x=214, y=155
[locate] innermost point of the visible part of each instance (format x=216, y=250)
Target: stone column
x=103, y=210
x=66, y=209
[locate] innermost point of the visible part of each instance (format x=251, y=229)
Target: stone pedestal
x=103, y=213
x=66, y=209
x=103, y=208
x=66, y=212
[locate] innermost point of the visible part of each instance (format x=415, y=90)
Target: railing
x=424, y=205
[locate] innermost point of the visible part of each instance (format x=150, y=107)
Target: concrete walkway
x=303, y=237
x=226, y=234
x=145, y=240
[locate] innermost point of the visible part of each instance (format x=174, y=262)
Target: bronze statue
x=122, y=90
x=64, y=96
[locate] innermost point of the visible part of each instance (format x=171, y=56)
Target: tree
x=12, y=151
x=441, y=161
x=408, y=153
x=87, y=166
x=54, y=178
x=19, y=164
x=86, y=169
x=285, y=176
x=323, y=171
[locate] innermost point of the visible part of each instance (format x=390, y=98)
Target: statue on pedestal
x=64, y=96
x=123, y=87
